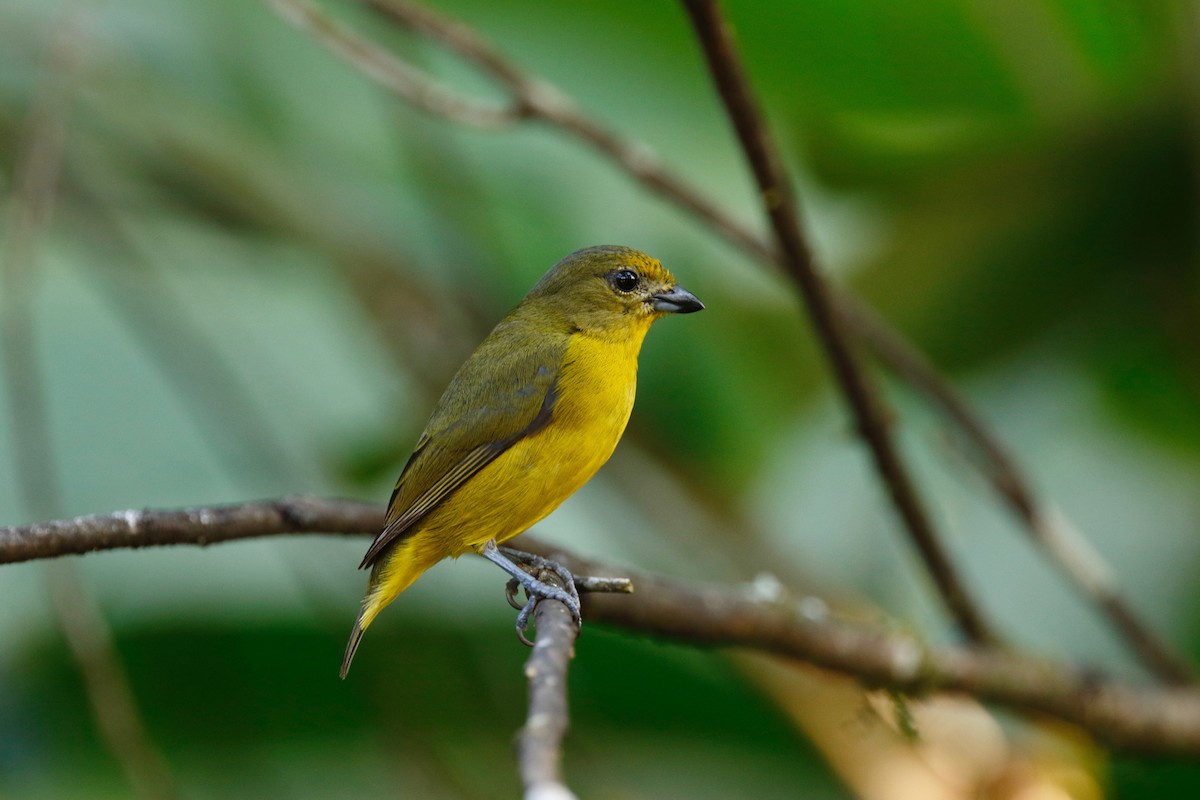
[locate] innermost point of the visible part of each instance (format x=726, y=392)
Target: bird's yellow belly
x=533, y=477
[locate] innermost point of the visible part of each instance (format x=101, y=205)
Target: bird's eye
x=625, y=280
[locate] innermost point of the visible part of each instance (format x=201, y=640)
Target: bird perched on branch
x=528, y=419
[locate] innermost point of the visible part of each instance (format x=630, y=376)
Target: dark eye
x=624, y=280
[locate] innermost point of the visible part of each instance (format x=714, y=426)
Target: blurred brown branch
x=1150, y=720
x=539, y=100
x=782, y=209
x=405, y=80
x=1049, y=528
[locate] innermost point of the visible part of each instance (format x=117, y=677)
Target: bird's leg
x=536, y=589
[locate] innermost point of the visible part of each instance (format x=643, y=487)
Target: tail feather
x=370, y=608
x=389, y=577
x=352, y=646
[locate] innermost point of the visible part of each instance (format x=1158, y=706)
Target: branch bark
x=1150, y=720
x=202, y=526
x=539, y=743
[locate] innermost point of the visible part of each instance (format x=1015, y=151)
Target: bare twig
x=1152, y=720
x=783, y=211
x=544, y=102
x=586, y=583
x=404, y=79
x=198, y=526
x=539, y=743
x=1049, y=528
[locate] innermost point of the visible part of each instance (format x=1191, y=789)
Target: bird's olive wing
x=504, y=392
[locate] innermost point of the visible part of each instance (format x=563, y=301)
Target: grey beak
x=678, y=300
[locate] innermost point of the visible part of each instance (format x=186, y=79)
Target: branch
x=404, y=79
x=198, y=526
x=542, y=101
x=1154, y=720
x=539, y=100
x=539, y=743
x=1150, y=720
x=783, y=211
x=1050, y=529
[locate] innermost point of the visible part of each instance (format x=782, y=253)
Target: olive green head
x=608, y=287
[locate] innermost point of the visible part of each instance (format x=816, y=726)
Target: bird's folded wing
x=505, y=392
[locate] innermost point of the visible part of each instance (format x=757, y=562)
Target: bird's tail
x=391, y=575
x=352, y=646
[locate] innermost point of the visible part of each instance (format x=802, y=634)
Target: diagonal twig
x=402, y=78
x=546, y=103
x=783, y=211
x=1048, y=527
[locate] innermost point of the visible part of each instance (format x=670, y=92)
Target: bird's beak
x=676, y=300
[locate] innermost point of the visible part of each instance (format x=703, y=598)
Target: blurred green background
x=261, y=269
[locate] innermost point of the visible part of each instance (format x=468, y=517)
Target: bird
x=529, y=417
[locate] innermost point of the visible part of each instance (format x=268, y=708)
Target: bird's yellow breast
x=596, y=386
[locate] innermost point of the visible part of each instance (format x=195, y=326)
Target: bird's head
x=610, y=287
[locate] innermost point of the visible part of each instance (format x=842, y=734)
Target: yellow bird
x=527, y=420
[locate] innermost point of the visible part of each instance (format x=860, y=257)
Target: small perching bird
x=527, y=420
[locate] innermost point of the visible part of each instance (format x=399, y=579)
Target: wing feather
x=519, y=381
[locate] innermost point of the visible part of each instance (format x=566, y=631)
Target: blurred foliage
x=261, y=269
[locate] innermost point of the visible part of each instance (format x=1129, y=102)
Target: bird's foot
x=536, y=562
x=514, y=562
x=511, y=589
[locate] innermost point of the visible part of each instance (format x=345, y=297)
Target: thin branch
x=542, y=101
x=402, y=78
x=539, y=743
x=781, y=207
x=197, y=526
x=1149, y=720
x=1049, y=528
